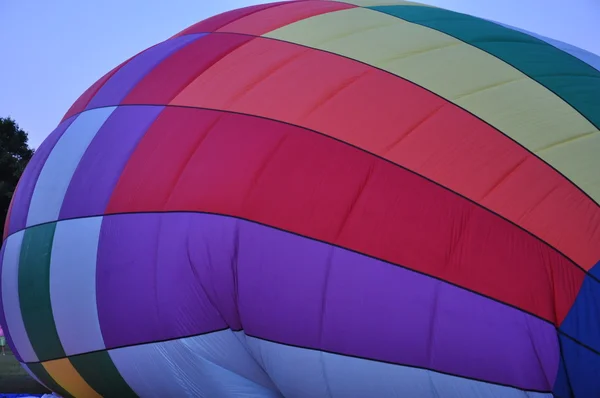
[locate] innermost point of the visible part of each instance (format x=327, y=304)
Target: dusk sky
x=59, y=48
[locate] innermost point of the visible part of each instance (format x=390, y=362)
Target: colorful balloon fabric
x=318, y=199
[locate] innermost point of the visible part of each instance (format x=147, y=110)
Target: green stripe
x=576, y=82
x=34, y=292
x=99, y=371
x=40, y=372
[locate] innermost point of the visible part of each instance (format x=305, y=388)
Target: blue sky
x=58, y=48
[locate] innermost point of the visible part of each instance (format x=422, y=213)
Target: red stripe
x=273, y=18
x=407, y=125
x=217, y=21
x=288, y=177
x=172, y=75
x=81, y=102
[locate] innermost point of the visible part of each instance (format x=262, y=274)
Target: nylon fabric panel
x=15, y=324
x=40, y=371
x=335, y=376
x=57, y=171
x=80, y=104
x=573, y=81
x=212, y=365
x=238, y=259
x=2, y=315
x=583, y=321
x=24, y=191
x=217, y=21
x=33, y=375
x=8, y=214
x=97, y=173
x=562, y=387
x=190, y=128
x=123, y=80
x=595, y=271
x=579, y=372
x=34, y=291
x=265, y=226
x=589, y=58
x=272, y=18
x=161, y=85
x=496, y=92
x=147, y=286
x=63, y=372
x=576, y=82
x=370, y=3
x=344, y=196
x=73, y=285
x=99, y=371
x=349, y=304
x=550, y=207
x=342, y=98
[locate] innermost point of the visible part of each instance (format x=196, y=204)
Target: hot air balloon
x=312, y=198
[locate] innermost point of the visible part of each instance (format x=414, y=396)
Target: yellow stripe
x=63, y=372
x=471, y=78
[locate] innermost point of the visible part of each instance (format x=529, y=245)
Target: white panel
x=208, y=366
x=10, y=298
x=228, y=364
x=73, y=285
x=58, y=170
x=300, y=373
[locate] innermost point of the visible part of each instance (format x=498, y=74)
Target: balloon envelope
x=317, y=199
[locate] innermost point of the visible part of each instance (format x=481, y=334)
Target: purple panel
x=347, y=303
x=24, y=192
x=119, y=84
x=148, y=289
x=2, y=316
x=165, y=275
x=102, y=163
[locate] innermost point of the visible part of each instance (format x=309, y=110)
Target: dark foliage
x=14, y=156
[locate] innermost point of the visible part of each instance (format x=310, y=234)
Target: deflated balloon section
x=317, y=199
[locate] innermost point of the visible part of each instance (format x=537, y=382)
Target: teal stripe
x=34, y=292
x=576, y=82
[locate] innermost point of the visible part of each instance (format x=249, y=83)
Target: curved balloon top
x=318, y=199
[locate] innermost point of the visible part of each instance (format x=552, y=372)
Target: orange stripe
x=407, y=125
x=63, y=372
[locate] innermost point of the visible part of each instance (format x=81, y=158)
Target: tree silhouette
x=14, y=156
